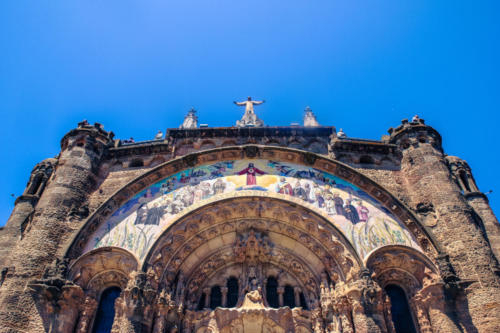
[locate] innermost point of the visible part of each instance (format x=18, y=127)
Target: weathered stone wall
x=429, y=184
x=479, y=203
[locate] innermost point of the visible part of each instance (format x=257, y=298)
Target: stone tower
x=251, y=229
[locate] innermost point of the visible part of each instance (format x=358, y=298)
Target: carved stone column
x=134, y=306
x=296, y=293
x=207, y=292
x=87, y=312
x=281, y=291
x=433, y=311
x=224, y=291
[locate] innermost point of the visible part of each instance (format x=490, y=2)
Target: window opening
x=215, y=297
x=272, y=292
x=106, y=310
x=289, y=297
x=232, y=292
x=401, y=316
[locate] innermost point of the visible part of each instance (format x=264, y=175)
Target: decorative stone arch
x=318, y=162
x=413, y=272
x=97, y=271
x=205, y=241
x=101, y=268
x=403, y=266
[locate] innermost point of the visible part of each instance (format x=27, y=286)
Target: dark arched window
x=201, y=303
x=106, y=310
x=35, y=184
x=465, y=180
x=401, y=316
x=272, y=292
x=215, y=297
x=289, y=297
x=303, y=303
x=232, y=292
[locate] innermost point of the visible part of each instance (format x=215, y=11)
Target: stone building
x=251, y=228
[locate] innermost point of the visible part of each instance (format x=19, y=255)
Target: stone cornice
x=235, y=132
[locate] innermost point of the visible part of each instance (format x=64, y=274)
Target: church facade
x=251, y=228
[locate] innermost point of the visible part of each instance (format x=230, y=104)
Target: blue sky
x=138, y=66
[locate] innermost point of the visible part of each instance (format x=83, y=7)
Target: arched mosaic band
x=368, y=216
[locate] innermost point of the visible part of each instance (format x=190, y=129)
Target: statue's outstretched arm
x=259, y=102
x=239, y=103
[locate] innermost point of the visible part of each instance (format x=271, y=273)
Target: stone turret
x=22, y=214
x=462, y=175
x=59, y=200
x=429, y=184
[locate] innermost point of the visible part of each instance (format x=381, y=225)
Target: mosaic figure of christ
x=251, y=171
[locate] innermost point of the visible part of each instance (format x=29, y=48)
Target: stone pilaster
x=281, y=292
x=168, y=314
x=207, y=297
x=224, y=291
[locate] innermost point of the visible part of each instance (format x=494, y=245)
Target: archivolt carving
x=241, y=214
x=106, y=279
x=402, y=266
x=101, y=268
